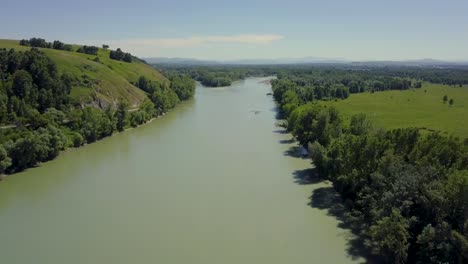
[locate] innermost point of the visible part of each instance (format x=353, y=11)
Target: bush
x=120, y=55
x=77, y=139
x=5, y=161
x=91, y=50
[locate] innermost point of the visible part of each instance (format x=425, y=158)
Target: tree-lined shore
x=406, y=190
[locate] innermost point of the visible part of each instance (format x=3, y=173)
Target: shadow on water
x=281, y=131
x=307, y=176
x=296, y=151
x=278, y=114
x=327, y=198
x=287, y=141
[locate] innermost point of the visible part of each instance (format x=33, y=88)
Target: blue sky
x=240, y=29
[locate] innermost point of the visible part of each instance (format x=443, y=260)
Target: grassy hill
x=422, y=108
x=100, y=83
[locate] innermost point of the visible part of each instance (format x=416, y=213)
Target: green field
x=105, y=81
x=422, y=108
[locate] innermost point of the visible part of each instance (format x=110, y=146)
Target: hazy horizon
x=344, y=60
x=225, y=30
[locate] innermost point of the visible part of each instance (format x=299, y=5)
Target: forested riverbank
x=406, y=191
x=217, y=75
x=39, y=117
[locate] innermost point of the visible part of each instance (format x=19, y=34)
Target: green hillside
x=53, y=99
x=422, y=108
x=100, y=83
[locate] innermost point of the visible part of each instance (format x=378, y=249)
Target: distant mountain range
x=421, y=62
x=187, y=61
x=182, y=61
x=305, y=60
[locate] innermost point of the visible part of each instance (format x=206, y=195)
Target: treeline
x=366, y=76
x=214, y=76
x=38, y=119
x=406, y=191
x=165, y=96
x=58, y=45
x=328, y=83
x=42, y=43
x=456, y=75
x=91, y=50
x=326, y=78
x=120, y=55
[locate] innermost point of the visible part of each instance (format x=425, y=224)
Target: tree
x=91, y=50
x=127, y=57
x=58, y=45
x=22, y=84
x=92, y=123
x=438, y=245
x=143, y=83
x=3, y=106
x=120, y=55
x=444, y=99
x=77, y=139
x=68, y=47
x=5, y=161
x=39, y=42
x=289, y=101
x=390, y=236
x=28, y=151
x=105, y=46
x=183, y=86
x=456, y=192
x=117, y=54
x=24, y=42
x=451, y=101
x=121, y=115
x=360, y=124
x=55, y=140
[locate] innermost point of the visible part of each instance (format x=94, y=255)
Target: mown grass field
x=422, y=108
x=107, y=80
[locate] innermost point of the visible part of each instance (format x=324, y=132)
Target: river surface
x=213, y=181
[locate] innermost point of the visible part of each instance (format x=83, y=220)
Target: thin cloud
x=194, y=41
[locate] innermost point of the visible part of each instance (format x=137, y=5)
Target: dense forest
x=327, y=79
x=406, y=191
x=214, y=76
x=38, y=119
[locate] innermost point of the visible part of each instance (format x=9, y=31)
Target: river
x=213, y=181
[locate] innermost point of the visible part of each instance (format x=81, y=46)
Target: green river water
x=211, y=182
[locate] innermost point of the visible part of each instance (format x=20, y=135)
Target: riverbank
x=69, y=144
